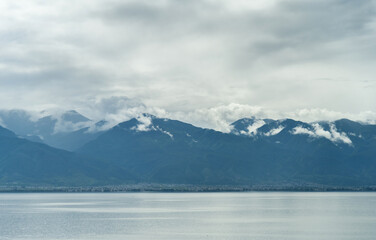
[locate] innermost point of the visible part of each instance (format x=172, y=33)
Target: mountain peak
x=244, y=121
x=148, y=115
x=74, y=117
x=248, y=126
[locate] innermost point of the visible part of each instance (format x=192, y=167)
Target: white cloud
x=252, y=129
x=145, y=124
x=332, y=135
x=274, y=131
x=117, y=109
x=318, y=114
x=220, y=117
x=339, y=136
x=320, y=132
x=61, y=125
x=302, y=130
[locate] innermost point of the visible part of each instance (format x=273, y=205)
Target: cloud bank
x=203, y=61
x=118, y=109
x=332, y=135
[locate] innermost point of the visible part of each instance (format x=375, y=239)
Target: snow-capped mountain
x=339, y=132
x=164, y=150
x=257, y=151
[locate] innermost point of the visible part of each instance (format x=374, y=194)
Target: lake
x=149, y=216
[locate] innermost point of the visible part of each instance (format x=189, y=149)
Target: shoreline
x=171, y=188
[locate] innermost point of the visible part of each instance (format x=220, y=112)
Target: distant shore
x=183, y=188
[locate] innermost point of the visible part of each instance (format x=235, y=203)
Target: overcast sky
x=205, y=62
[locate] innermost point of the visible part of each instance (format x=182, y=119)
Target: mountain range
x=67, y=150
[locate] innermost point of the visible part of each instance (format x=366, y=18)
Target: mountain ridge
x=261, y=156
x=148, y=149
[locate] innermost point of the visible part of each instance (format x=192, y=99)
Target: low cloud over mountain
x=149, y=149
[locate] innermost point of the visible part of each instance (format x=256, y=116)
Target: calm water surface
x=149, y=216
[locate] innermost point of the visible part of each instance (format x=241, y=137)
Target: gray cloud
x=184, y=58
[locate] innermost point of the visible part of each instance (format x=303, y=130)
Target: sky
x=207, y=62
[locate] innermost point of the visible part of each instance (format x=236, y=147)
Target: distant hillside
x=23, y=162
x=68, y=130
x=148, y=149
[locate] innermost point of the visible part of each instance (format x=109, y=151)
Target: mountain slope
x=68, y=130
x=163, y=150
x=168, y=151
x=341, y=152
x=23, y=162
x=148, y=149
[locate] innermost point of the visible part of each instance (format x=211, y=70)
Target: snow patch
x=163, y=131
x=169, y=134
x=145, y=125
x=355, y=135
